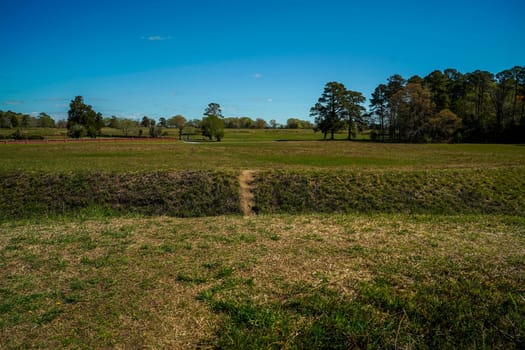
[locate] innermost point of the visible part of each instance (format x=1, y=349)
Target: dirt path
x=246, y=179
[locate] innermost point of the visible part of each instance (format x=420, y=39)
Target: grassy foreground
x=293, y=282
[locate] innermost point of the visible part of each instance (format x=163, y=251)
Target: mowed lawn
x=259, y=149
x=303, y=281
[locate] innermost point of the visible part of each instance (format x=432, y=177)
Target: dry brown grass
x=136, y=282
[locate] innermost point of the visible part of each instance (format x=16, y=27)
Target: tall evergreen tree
x=354, y=110
x=213, y=109
x=394, y=84
x=379, y=108
x=518, y=74
x=437, y=82
x=331, y=109
x=479, y=118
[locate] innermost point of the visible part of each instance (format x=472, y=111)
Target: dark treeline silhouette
x=450, y=106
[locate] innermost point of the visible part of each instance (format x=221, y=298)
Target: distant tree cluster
x=83, y=120
x=179, y=122
x=9, y=120
x=294, y=123
x=154, y=129
x=259, y=123
x=244, y=123
x=450, y=106
x=128, y=126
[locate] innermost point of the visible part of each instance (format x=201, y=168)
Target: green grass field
x=356, y=245
x=244, y=135
x=255, y=149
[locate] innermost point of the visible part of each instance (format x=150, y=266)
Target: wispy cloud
x=58, y=115
x=98, y=99
x=257, y=75
x=52, y=99
x=13, y=102
x=269, y=100
x=157, y=37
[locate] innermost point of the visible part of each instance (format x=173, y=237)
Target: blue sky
x=267, y=59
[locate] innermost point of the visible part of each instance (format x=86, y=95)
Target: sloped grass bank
x=208, y=193
x=469, y=191
x=182, y=194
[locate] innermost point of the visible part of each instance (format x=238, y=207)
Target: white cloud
x=52, y=99
x=134, y=116
x=269, y=100
x=13, y=102
x=98, y=99
x=257, y=75
x=157, y=38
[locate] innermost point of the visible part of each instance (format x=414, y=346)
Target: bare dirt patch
x=246, y=186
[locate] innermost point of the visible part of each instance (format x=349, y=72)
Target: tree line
x=129, y=126
x=83, y=121
x=446, y=106
x=9, y=120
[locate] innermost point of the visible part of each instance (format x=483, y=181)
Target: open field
x=356, y=245
x=230, y=134
x=305, y=281
x=243, y=135
x=259, y=149
x=290, y=177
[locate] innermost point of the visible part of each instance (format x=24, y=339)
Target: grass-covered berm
x=500, y=191
x=207, y=193
x=183, y=193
